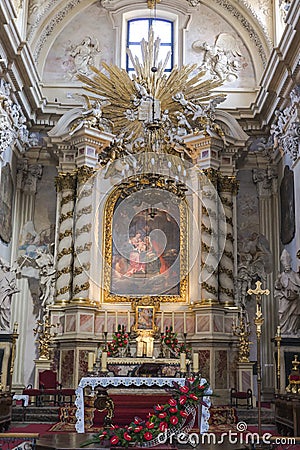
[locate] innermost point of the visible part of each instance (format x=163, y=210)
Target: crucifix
x=259, y=320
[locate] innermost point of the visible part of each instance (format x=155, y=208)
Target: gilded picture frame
x=144, y=318
x=112, y=279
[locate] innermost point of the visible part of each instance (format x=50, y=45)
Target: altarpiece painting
x=145, y=250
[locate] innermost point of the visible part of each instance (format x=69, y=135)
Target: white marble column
x=22, y=306
x=227, y=187
x=66, y=187
x=209, y=237
x=83, y=233
x=266, y=182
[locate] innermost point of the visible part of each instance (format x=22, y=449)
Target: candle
x=162, y=322
x=90, y=361
x=104, y=362
x=116, y=316
x=173, y=321
x=182, y=362
x=278, y=330
x=128, y=321
x=105, y=322
x=195, y=362
x=184, y=322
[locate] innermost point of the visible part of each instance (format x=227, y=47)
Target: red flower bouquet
x=171, y=417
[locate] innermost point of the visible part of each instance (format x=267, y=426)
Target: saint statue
x=287, y=291
x=8, y=287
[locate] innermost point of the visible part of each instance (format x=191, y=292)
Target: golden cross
x=258, y=292
x=152, y=3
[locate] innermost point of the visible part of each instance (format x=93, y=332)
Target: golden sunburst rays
x=184, y=86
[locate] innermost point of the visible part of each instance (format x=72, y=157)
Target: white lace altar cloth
x=112, y=382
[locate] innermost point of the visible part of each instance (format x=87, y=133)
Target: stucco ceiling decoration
x=66, y=10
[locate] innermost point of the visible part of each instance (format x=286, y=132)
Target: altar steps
x=249, y=416
x=37, y=414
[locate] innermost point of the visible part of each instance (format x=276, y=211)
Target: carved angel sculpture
x=221, y=58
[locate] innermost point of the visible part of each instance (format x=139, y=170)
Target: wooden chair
x=235, y=396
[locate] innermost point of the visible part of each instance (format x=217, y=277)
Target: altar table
x=127, y=382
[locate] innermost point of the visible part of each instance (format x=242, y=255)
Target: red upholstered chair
x=49, y=385
x=235, y=396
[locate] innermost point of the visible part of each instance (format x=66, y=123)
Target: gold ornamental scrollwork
x=82, y=287
x=66, y=181
x=64, y=290
x=85, y=193
x=66, y=216
x=83, y=248
x=108, y=220
x=228, y=184
x=65, y=234
x=84, y=211
x=84, y=173
x=67, y=199
x=64, y=252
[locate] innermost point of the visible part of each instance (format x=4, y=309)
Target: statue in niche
x=8, y=287
x=220, y=59
x=287, y=292
x=45, y=263
x=255, y=256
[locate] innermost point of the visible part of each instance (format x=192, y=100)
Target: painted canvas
x=145, y=250
x=6, y=201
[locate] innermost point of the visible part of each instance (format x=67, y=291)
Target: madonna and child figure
x=146, y=262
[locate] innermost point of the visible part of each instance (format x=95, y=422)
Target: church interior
x=149, y=240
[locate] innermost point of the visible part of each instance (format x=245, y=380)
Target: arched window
x=138, y=29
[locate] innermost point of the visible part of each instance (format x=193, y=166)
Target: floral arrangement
x=169, y=338
x=170, y=417
x=119, y=341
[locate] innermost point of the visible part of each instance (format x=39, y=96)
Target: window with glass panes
x=138, y=29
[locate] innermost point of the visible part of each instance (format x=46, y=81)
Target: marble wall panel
x=70, y=323
x=67, y=368
x=221, y=369
x=218, y=324
x=86, y=322
x=82, y=363
x=228, y=325
x=204, y=363
x=203, y=324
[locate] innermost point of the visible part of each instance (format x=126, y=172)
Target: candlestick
x=104, y=362
x=116, y=317
x=195, y=362
x=162, y=322
x=90, y=361
x=105, y=322
x=128, y=321
x=173, y=321
x=183, y=363
x=184, y=322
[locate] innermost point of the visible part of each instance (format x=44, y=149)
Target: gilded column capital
x=84, y=173
x=65, y=181
x=228, y=184
x=208, y=175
